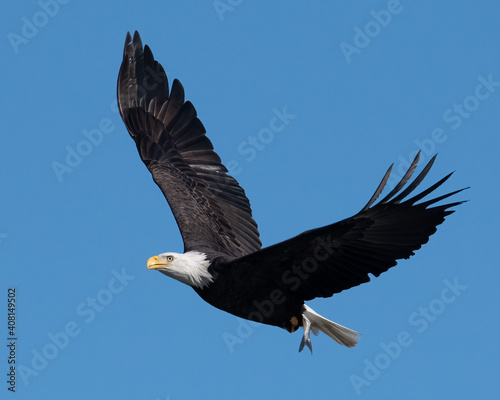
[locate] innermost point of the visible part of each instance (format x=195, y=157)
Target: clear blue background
x=62, y=242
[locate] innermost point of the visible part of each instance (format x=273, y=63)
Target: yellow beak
x=154, y=263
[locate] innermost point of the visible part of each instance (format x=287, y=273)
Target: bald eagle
x=223, y=260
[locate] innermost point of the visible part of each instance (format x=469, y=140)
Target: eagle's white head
x=190, y=268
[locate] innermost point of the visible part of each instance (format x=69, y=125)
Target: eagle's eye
x=170, y=258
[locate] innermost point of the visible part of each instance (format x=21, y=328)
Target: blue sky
x=367, y=83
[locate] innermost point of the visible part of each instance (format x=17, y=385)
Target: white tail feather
x=314, y=322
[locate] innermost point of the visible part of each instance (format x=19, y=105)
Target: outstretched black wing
x=327, y=260
x=210, y=207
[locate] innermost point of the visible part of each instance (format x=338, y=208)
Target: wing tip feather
x=395, y=198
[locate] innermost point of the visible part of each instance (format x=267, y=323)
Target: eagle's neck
x=191, y=268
